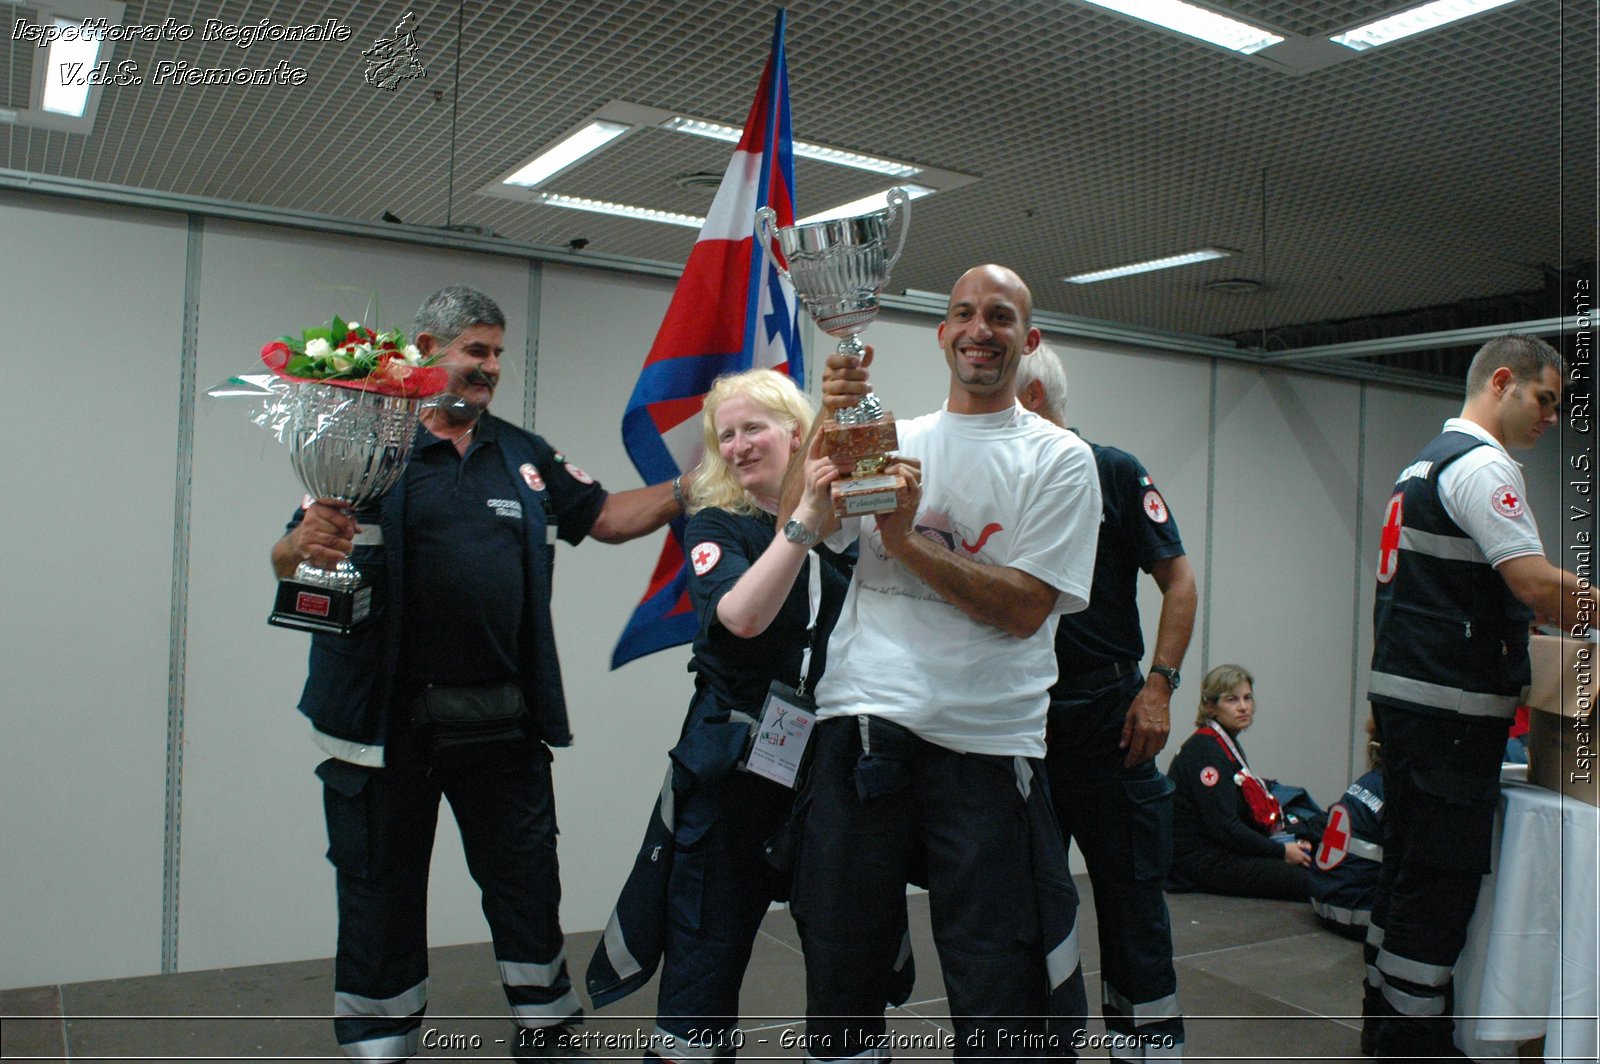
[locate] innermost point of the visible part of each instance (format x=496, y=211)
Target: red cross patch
x=1209, y=776
x=704, y=558
x=1507, y=501
x=531, y=477
x=579, y=475
x=1389, y=541
x=1155, y=507
x=1335, y=839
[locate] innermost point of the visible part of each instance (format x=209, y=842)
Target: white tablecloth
x=1530, y=964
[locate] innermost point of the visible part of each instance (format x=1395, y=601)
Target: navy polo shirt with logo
x=1136, y=531
x=464, y=544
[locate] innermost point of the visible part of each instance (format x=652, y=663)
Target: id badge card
x=780, y=739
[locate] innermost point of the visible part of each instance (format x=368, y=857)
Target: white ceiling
x=1455, y=166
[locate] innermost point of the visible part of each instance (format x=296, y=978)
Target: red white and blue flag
x=731, y=311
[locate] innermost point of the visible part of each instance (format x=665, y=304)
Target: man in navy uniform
x=1108, y=720
x=1461, y=570
x=460, y=559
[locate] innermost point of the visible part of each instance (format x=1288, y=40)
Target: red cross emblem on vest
x=1389, y=541
x=1335, y=838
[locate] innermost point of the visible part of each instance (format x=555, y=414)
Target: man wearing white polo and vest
x=1461, y=571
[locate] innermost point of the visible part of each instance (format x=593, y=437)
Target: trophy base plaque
x=859, y=496
x=315, y=608
x=859, y=441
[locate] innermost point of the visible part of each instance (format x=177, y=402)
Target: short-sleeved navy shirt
x=722, y=546
x=464, y=541
x=1136, y=531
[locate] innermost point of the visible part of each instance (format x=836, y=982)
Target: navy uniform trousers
x=880, y=806
x=721, y=889
x=381, y=825
x=1122, y=820
x=1441, y=784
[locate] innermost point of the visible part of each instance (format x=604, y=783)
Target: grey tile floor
x=1258, y=980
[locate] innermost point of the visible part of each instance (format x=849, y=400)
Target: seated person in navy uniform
x=1344, y=876
x=1225, y=816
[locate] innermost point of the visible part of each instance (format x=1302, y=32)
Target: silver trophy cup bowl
x=838, y=267
x=351, y=446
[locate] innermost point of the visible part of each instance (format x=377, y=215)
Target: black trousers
x=870, y=823
x=1122, y=820
x=381, y=825
x=1441, y=785
x=720, y=889
x=1217, y=871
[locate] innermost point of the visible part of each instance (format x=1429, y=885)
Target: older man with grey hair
x=452, y=690
x=1107, y=722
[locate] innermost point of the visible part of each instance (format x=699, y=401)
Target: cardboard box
x=1561, y=728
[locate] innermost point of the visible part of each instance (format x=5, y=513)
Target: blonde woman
x=1224, y=815
x=766, y=604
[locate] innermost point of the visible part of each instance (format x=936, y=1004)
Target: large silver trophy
x=839, y=269
x=352, y=446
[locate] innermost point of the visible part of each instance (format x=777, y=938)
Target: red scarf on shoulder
x=1264, y=808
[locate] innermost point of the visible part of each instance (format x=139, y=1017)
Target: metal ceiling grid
x=1458, y=164
x=1311, y=19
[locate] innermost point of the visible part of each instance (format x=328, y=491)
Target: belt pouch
x=464, y=716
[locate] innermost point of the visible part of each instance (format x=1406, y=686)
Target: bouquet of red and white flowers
x=350, y=355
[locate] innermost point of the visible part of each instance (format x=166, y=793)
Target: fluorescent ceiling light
x=621, y=210
x=61, y=96
x=877, y=201
x=585, y=142
x=1195, y=22
x=836, y=156
x=1416, y=20
x=1166, y=263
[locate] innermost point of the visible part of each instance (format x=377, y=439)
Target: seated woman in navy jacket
x=1224, y=815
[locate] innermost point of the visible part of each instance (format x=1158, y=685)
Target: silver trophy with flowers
x=839, y=269
x=345, y=399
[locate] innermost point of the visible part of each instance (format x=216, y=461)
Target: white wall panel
x=256, y=886
x=1284, y=544
x=595, y=330
x=1291, y=507
x=93, y=307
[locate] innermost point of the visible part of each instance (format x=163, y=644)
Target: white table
x=1529, y=968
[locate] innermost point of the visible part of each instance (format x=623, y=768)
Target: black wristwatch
x=795, y=532
x=1169, y=672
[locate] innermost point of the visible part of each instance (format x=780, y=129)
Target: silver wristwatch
x=1169, y=672
x=795, y=532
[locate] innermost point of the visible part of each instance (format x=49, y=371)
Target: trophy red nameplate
x=312, y=608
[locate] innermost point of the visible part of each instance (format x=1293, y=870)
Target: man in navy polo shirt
x=452, y=689
x=1107, y=723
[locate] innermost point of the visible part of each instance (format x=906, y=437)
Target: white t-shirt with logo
x=1006, y=489
x=1484, y=493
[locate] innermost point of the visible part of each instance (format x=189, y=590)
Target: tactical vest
x=1448, y=635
